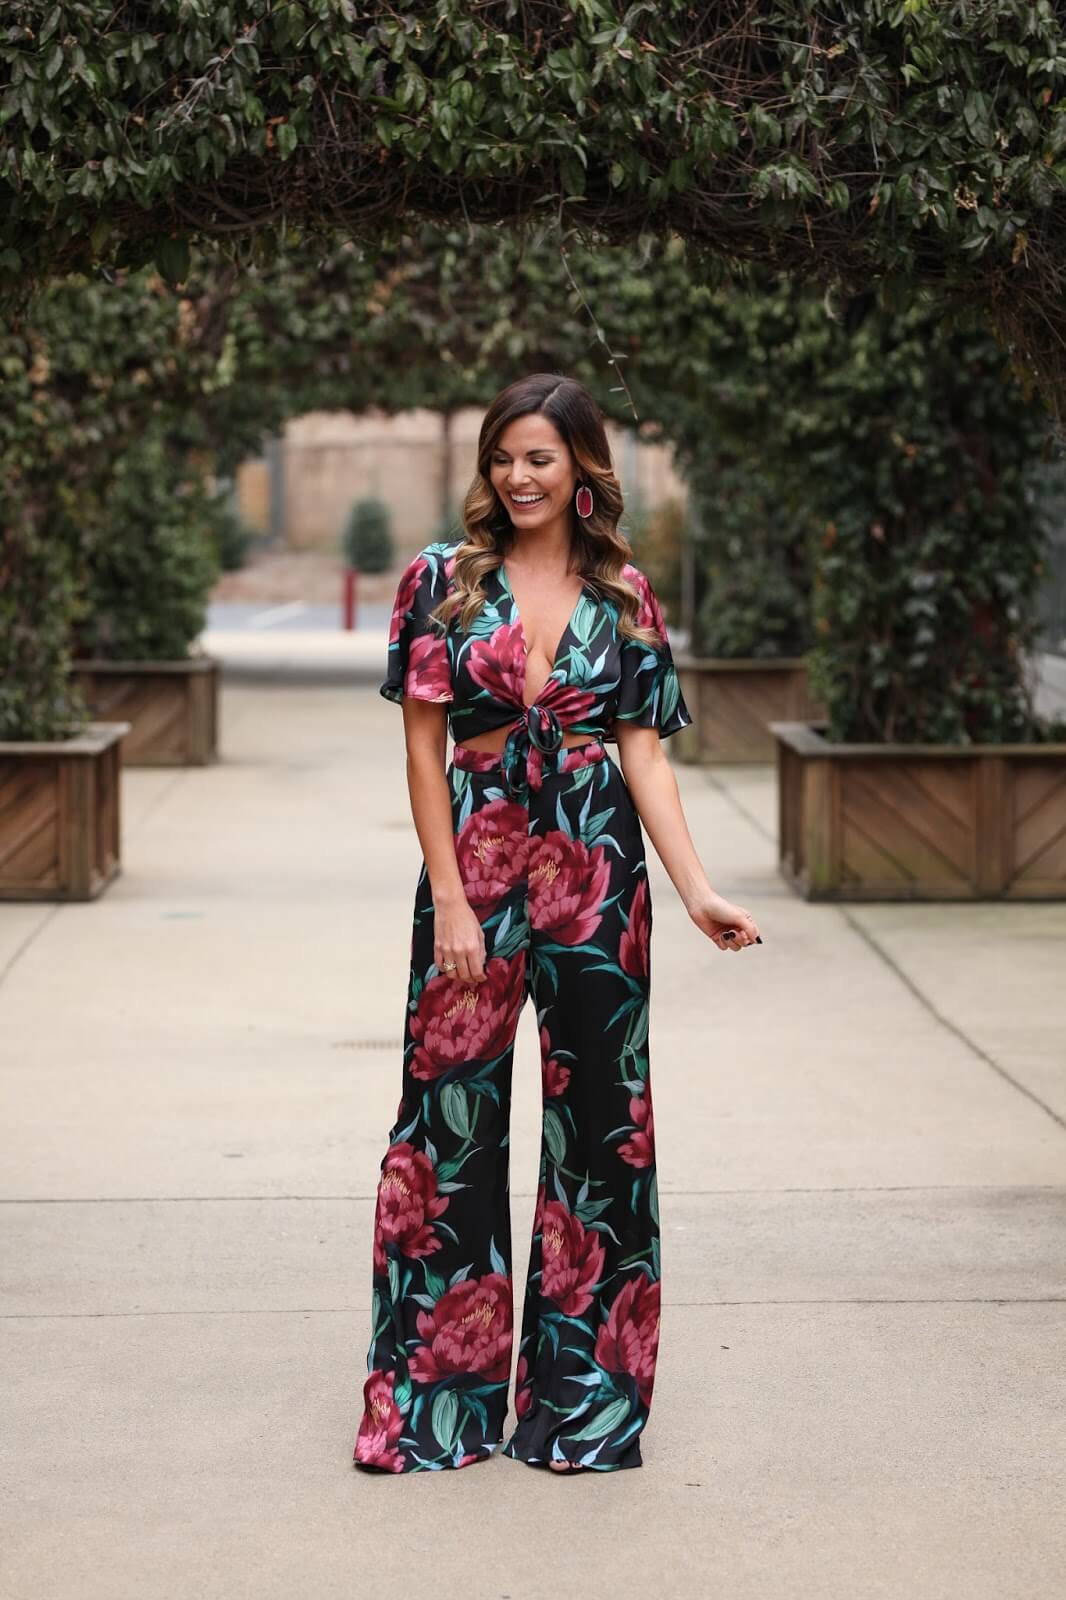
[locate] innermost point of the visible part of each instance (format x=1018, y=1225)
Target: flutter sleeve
x=649, y=692
x=418, y=664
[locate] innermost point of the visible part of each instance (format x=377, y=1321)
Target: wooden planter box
x=920, y=822
x=733, y=704
x=59, y=815
x=172, y=707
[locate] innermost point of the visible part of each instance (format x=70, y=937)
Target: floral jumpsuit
x=551, y=854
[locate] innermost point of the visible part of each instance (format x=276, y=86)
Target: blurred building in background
x=301, y=490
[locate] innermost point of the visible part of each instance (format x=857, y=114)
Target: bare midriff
x=496, y=738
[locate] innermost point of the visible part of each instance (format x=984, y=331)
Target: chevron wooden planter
x=59, y=815
x=733, y=704
x=172, y=707
x=920, y=822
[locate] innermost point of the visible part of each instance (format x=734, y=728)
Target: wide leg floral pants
x=554, y=867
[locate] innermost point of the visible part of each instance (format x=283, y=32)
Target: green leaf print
x=516, y=936
x=447, y=1170
x=671, y=693
x=601, y=1425
x=579, y=669
x=554, y=1136
x=626, y=1006
x=401, y=1134
x=591, y=830
x=653, y=1199
x=434, y=1283
x=476, y=1410
x=562, y=821
x=443, y=1418
x=583, y=815
x=638, y=1036
x=583, y=776
x=587, y=616
x=455, y=1109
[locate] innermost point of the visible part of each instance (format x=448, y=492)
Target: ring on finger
x=449, y=966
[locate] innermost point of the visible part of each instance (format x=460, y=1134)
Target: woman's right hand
x=458, y=937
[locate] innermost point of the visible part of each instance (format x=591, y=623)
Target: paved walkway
x=861, y=1128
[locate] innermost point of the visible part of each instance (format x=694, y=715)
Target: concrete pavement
x=861, y=1133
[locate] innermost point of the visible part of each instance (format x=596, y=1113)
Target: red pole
x=349, y=598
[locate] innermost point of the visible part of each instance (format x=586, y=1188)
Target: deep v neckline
x=517, y=615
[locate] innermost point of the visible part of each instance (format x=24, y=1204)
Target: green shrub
x=151, y=568
x=923, y=466
x=231, y=536
x=368, y=545
x=753, y=567
x=657, y=535
x=37, y=604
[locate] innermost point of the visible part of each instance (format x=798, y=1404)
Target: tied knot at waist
x=538, y=734
x=534, y=745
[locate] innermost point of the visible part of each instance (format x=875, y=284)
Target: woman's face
x=533, y=471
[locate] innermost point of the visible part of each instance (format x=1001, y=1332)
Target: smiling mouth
x=526, y=499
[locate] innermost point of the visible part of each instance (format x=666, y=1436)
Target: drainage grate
x=367, y=1044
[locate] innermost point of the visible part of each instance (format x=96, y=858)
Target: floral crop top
x=598, y=676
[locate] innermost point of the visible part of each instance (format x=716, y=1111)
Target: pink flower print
x=639, y=1150
x=469, y=1330
x=572, y=1259
x=491, y=849
x=407, y=1202
x=428, y=674
x=554, y=1075
x=649, y=614
x=629, y=1340
x=381, y=1426
x=567, y=886
x=405, y=596
x=633, y=947
x=498, y=664
x=458, y=1022
x=570, y=704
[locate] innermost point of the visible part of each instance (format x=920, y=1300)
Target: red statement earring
x=584, y=501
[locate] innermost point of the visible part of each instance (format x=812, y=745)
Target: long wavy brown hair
x=598, y=550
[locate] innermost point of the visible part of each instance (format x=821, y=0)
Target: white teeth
x=526, y=499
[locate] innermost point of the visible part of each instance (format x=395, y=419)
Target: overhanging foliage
x=865, y=140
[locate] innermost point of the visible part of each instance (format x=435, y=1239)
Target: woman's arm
x=651, y=781
x=457, y=934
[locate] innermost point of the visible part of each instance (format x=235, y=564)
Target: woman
x=539, y=640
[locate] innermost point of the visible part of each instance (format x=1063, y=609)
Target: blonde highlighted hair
x=599, y=549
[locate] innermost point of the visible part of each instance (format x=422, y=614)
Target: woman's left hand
x=716, y=916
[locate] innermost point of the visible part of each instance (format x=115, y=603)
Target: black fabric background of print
x=441, y=1346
